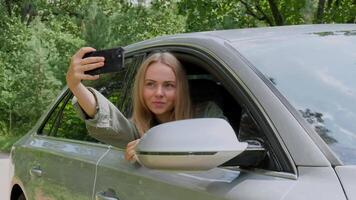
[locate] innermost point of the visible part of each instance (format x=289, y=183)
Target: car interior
x=204, y=87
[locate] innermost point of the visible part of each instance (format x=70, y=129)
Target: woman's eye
x=170, y=85
x=149, y=84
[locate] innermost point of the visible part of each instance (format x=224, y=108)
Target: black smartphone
x=114, y=60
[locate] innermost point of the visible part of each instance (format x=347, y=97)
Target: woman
x=160, y=94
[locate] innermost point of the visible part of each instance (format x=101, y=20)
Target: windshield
x=316, y=72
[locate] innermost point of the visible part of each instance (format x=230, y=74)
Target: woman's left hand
x=130, y=153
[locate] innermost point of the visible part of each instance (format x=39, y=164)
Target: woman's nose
x=159, y=91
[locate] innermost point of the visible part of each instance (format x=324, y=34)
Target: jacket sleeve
x=108, y=125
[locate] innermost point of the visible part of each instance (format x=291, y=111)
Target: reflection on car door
x=57, y=169
x=119, y=179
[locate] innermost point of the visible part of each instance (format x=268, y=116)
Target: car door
x=118, y=179
x=276, y=177
x=58, y=160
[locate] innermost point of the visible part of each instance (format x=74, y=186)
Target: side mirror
x=194, y=144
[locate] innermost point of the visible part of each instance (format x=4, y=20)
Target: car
x=288, y=94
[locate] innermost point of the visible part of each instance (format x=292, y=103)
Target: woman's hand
x=75, y=75
x=78, y=66
x=130, y=153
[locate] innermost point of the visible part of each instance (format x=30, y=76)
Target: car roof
x=272, y=32
x=235, y=36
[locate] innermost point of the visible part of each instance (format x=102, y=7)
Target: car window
x=52, y=120
x=260, y=153
x=69, y=125
x=322, y=66
x=208, y=85
x=64, y=122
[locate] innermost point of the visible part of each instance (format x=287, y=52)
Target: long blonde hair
x=142, y=116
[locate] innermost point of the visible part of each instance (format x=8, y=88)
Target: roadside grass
x=6, y=142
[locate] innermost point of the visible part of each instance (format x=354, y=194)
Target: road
x=4, y=176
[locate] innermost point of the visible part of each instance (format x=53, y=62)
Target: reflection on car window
x=317, y=76
x=248, y=129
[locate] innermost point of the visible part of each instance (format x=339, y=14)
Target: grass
x=6, y=142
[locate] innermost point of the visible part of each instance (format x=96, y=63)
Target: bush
x=33, y=63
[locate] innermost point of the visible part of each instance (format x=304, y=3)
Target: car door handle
x=106, y=196
x=36, y=171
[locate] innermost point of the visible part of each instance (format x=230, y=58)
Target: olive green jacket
x=110, y=126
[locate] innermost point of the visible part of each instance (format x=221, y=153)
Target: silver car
x=289, y=97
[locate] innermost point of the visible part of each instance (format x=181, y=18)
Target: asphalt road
x=4, y=176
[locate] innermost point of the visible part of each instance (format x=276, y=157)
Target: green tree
x=105, y=28
x=338, y=11
x=29, y=61
x=205, y=15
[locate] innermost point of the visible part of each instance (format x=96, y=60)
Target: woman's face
x=159, y=90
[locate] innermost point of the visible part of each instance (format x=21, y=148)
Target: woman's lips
x=158, y=104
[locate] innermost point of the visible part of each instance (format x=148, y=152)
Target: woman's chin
x=158, y=112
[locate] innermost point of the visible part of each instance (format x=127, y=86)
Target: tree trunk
x=352, y=19
x=250, y=11
x=278, y=19
x=320, y=11
x=27, y=13
x=329, y=4
x=10, y=123
x=8, y=7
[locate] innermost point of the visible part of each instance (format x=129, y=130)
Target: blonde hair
x=142, y=116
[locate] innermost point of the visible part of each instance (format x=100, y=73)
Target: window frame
x=65, y=98
x=228, y=81
x=51, y=111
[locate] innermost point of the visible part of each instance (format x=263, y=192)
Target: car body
x=289, y=89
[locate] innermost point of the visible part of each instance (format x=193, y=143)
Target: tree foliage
x=31, y=66
x=105, y=28
x=220, y=14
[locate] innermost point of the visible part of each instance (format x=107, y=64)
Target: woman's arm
x=75, y=75
x=108, y=125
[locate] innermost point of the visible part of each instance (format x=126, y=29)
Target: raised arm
x=75, y=75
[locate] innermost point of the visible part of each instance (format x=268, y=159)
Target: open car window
x=207, y=83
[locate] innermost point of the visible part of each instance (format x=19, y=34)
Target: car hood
x=347, y=176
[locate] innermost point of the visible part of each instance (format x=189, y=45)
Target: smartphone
x=114, y=60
